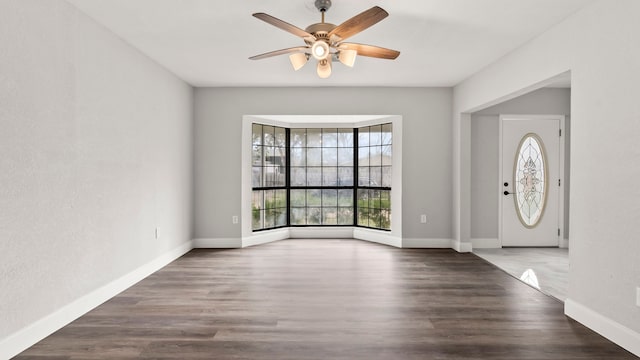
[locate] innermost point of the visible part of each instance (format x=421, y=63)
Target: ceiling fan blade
x=359, y=22
x=284, y=26
x=370, y=50
x=296, y=49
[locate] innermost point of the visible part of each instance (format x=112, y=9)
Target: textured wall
x=426, y=139
x=95, y=153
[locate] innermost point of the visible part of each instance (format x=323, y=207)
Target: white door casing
x=531, y=206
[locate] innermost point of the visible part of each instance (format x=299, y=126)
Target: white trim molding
x=461, y=247
x=28, y=336
x=612, y=330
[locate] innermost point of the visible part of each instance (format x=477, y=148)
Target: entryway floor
x=549, y=265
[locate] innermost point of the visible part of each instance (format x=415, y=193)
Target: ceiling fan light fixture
x=324, y=68
x=320, y=50
x=347, y=57
x=298, y=60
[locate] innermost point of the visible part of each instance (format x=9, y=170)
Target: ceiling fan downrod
x=323, y=6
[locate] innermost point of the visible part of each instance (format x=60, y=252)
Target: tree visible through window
x=316, y=177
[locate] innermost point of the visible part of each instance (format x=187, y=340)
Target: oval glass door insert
x=530, y=180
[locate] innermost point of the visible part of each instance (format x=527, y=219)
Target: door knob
x=506, y=192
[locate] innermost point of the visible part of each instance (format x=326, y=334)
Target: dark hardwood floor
x=327, y=299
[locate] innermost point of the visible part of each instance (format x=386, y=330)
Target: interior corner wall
x=96, y=152
x=598, y=45
x=484, y=153
x=426, y=139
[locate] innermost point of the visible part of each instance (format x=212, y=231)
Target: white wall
x=426, y=140
x=484, y=153
x=599, y=45
x=95, y=153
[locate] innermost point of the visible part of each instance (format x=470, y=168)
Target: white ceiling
x=442, y=42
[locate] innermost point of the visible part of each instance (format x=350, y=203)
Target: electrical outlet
x=638, y=296
x=423, y=219
x=234, y=219
x=157, y=233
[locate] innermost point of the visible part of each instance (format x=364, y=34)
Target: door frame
x=561, y=171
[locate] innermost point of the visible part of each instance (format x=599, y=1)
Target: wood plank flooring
x=327, y=299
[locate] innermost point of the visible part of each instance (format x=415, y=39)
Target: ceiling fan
x=325, y=41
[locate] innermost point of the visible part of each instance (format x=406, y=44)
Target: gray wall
x=96, y=148
x=426, y=157
x=484, y=154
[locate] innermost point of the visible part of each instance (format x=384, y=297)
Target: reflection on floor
x=544, y=268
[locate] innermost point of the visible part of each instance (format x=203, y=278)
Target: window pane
x=313, y=216
x=256, y=176
x=281, y=216
x=298, y=216
x=257, y=219
x=363, y=176
x=314, y=197
x=375, y=176
x=363, y=137
x=280, y=199
x=386, y=134
x=298, y=157
x=329, y=156
x=256, y=134
x=314, y=137
x=314, y=176
x=345, y=176
x=385, y=199
x=281, y=139
x=345, y=216
x=269, y=218
x=363, y=199
x=256, y=155
x=345, y=157
x=363, y=216
x=298, y=138
x=385, y=219
x=268, y=133
x=298, y=176
x=314, y=157
x=345, y=198
x=375, y=136
x=329, y=176
x=298, y=198
x=345, y=138
x=329, y=197
x=329, y=138
x=363, y=156
x=329, y=216
x=386, y=176
x=386, y=155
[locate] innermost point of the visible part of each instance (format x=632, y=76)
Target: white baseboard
x=461, y=247
x=321, y=232
x=616, y=332
x=28, y=336
x=217, y=243
x=486, y=243
x=426, y=243
x=264, y=237
x=380, y=237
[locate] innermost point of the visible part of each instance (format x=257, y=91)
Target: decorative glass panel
x=530, y=180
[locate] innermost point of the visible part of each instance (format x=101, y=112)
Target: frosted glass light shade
x=324, y=68
x=347, y=57
x=320, y=50
x=298, y=60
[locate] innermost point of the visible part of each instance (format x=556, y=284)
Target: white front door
x=530, y=180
